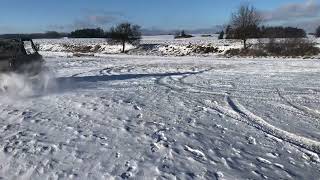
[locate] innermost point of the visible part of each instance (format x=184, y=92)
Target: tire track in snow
x=165, y=81
x=290, y=109
x=231, y=87
x=304, y=109
x=240, y=113
x=78, y=74
x=116, y=70
x=173, y=84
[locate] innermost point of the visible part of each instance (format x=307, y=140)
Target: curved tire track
x=177, y=85
x=240, y=113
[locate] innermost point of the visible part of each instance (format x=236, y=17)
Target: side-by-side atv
x=20, y=56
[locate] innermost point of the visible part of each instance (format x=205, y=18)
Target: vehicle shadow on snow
x=91, y=82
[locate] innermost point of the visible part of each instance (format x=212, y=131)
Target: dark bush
x=233, y=52
x=255, y=52
x=205, y=49
x=206, y=35
x=271, y=46
x=221, y=35
x=246, y=52
x=318, y=32
x=182, y=34
x=293, y=47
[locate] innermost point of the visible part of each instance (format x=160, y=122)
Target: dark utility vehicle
x=20, y=56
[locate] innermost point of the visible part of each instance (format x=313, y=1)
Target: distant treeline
x=282, y=32
x=80, y=33
x=88, y=33
x=269, y=32
x=255, y=32
x=47, y=35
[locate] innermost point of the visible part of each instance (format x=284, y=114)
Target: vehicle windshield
x=28, y=47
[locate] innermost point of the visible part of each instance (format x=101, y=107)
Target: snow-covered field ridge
x=151, y=117
x=150, y=45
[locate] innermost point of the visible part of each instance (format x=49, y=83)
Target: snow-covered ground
x=151, y=117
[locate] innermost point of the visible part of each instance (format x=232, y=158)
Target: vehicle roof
x=9, y=41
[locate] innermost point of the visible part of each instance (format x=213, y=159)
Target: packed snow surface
x=151, y=117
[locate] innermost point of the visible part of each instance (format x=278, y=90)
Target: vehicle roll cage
x=22, y=40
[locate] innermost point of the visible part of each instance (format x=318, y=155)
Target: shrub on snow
x=291, y=47
x=318, y=32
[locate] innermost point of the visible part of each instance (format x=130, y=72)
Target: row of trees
x=88, y=33
x=268, y=32
x=281, y=32
x=246, y=24
x=48, y=35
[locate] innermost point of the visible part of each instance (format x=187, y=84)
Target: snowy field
x=164, y=45
x=151, y=45
x=152, y=117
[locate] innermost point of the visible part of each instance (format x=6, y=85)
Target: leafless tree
x=244, y=23
x=125, y=33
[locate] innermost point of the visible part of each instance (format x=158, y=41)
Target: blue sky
x=65, y=15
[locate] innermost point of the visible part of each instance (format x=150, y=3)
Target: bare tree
x=318, y=32
x=245, y=23
x=125, y=33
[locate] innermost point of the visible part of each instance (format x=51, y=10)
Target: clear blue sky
x=64, y=15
